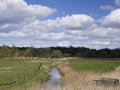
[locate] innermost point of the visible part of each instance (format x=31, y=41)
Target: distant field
x=94, y=65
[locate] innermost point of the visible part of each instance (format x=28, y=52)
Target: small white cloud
x=64, y=43
x=106, y=7
x=99, y=43
x=117, y=2
x=12, y=34
x=96, y=42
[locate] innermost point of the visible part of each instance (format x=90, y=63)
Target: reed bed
x=80, y=80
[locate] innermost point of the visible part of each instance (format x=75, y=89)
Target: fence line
x=21, y=77
x=9, y=83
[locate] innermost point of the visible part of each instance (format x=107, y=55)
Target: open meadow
x=77, y=74
x=94, y=65
x=22, y=73
x=80, y=74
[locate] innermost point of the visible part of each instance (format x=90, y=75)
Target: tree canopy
x=58, y=52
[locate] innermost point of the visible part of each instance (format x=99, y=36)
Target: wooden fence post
x=28, y=74
x=31, y=73
x=19, y=79
x=39, y=67
x=10, y=83
x=24, y=77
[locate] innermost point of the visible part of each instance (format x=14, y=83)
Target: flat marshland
x=24, y=72
x=79, y=74
x=76, y=74
x=94, y=65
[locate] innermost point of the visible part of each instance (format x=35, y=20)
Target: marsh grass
x=77, y=76
x=75, y=79
x=94, y=65
x=82, y=79
x=21, y=68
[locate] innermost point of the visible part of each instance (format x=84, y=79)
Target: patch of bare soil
x=6, y=69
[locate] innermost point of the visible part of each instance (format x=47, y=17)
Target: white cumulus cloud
x=75, y=21
x=18, y=10
x=112, y=19
x=106, y=7
x=24, y=25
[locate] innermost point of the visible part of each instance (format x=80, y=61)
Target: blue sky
x=45, y=23
x=90, y=7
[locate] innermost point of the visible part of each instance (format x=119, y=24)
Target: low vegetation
x=77, y=74
x=24, y=72
x=94, y=65
x=80, y=75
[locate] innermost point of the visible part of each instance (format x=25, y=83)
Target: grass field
x=80, y=74
x=11, y=69
x=94, y=65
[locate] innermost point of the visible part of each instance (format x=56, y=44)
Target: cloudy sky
x=45, y=23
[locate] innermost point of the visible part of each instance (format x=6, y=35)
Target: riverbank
x=36, y=80
x=55, y=79
x=82, y=80
x=72, y=78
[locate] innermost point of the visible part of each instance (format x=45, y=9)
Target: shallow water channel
x=55, y=79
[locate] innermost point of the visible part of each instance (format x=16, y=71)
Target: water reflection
x=55, y=79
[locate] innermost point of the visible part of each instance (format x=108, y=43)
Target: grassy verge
x=94, y=65
x=13, y=69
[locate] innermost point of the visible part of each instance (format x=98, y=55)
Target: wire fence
x=22, y=77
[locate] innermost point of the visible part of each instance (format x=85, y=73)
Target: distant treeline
x=89, y=53
x=56, y=52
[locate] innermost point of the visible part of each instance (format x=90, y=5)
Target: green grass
x=9, y=62
x=21, y=67
x=94, y=65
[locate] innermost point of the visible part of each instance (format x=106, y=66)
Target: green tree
x=44, y=52
x=57, y=54
x=89, y=54
x=78, y=55
x=28, y=53
x=5, y=51
x=15, y=51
